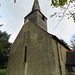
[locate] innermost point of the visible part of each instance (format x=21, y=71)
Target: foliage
x=2, y=71
x=67, y=8
x=4, y=48
x=73, y=42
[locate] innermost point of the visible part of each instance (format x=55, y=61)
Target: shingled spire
x=36, y=5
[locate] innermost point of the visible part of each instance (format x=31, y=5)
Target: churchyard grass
x=2, y=71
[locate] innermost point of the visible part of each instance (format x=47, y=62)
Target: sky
x=12, y=16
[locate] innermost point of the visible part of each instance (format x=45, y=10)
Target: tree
x=73, y=42
x=67, y=7
x=4, y=48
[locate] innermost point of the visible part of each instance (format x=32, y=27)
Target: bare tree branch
x=63, y=15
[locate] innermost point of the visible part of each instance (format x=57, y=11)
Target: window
x=25, y=54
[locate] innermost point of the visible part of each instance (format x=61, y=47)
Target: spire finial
x=36, y=5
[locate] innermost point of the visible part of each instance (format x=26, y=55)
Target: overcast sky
x=12, y=16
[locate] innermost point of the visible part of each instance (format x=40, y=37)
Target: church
x=37, y=52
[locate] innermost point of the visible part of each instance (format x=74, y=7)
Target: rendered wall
x=60, y=58
x=40, y=52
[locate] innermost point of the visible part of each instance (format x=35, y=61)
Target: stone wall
x=40, y=54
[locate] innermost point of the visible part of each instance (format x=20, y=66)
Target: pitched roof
x=58, y=40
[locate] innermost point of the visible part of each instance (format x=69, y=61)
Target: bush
x=2, y=71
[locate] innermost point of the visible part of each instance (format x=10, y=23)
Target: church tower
x=33, y=51
x=37, y=17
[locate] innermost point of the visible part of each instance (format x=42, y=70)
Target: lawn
x=2, y=71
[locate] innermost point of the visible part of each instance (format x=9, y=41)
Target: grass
x=2, y=71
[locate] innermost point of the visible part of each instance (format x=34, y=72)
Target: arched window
x=25, y=54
